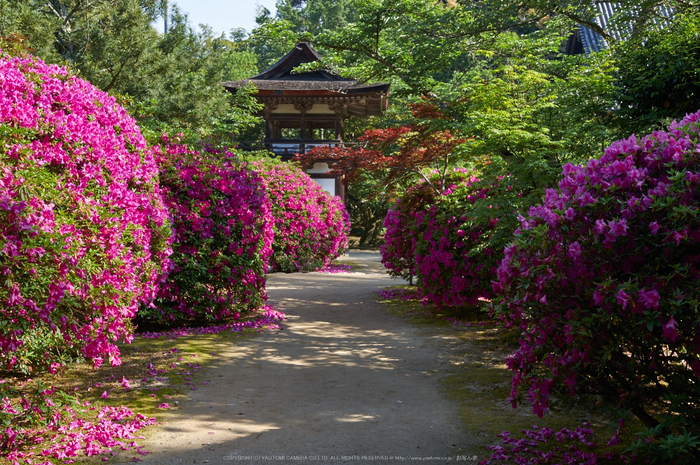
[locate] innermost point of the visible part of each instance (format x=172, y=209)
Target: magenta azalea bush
x=398, y=249
x=311, y=227
x=446, y=241
x=602, y=281
x=84, y=233
x=454, y=264
x=223, y=228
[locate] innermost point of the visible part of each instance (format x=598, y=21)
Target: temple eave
x=308, y=109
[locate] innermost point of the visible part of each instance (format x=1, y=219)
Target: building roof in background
x=594, y=42
x=280, y=82
x=280, y=76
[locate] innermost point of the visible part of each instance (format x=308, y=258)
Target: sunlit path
x=343, y=379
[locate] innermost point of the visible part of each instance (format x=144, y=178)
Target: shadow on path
x=343, y=379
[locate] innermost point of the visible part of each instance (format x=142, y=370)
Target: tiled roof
x=594, y=42
x=281, y=77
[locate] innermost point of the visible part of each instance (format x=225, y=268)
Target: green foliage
x=405, y=40
x=657, y=78
x=117, y=42
x=172, y=81
x=273, y=39
x=528, y=106
x=677, y=448
x=367, y=205
x=295, y=20
x=315, y=16
x=188, y=96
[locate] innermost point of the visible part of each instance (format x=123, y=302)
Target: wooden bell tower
x=305, y=110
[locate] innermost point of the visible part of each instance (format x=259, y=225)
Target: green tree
x=367, y=203
x=295, y=20
x=180, y=90
x=404, y=40
x=271, y=40
x=657, y=79
x=171, y=81
x=316, y=16
x=118, y=41
x=22, y=19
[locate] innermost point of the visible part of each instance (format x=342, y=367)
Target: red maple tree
x=412, y=149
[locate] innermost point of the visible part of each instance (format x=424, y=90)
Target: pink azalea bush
x=453, y=264
x=444, y=240
x=223, y=228
x=602, y=281
x=84, y=233
x=311, y=227
x=398, y=249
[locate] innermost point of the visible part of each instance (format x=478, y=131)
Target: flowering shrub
x=447, y=242
x=311, y=226
x=602, y=280
x=84, y=234
x=398, y=254
x=223, y=229
x=454, y=265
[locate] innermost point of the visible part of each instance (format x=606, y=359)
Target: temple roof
x=594, y=42
x=279, y=81
x=302, y=52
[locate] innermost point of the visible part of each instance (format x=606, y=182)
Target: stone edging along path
x=344, y=382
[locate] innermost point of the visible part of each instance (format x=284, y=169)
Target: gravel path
x=344, y=383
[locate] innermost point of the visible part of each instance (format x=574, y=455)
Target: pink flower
x=623, y=298
x=618, y=228
x=654, y=227
x=105, y=395
x=164, y=405
x=669, y=330
x=600, y=226
x=54, y=367
x=677, y=237
x=574, y=251
x=598, y=298
x=650, y=299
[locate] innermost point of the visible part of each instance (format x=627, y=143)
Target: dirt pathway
x=344, y=382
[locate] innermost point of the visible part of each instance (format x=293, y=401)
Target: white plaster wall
x=327, y=184
x=319, y=168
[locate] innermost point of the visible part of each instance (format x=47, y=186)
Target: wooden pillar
x=341, y=111
x=302, y=107
x=269, y=130
x=276, y=130
x=340, y=129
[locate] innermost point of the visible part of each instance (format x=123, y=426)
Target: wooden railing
x=287, y=148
